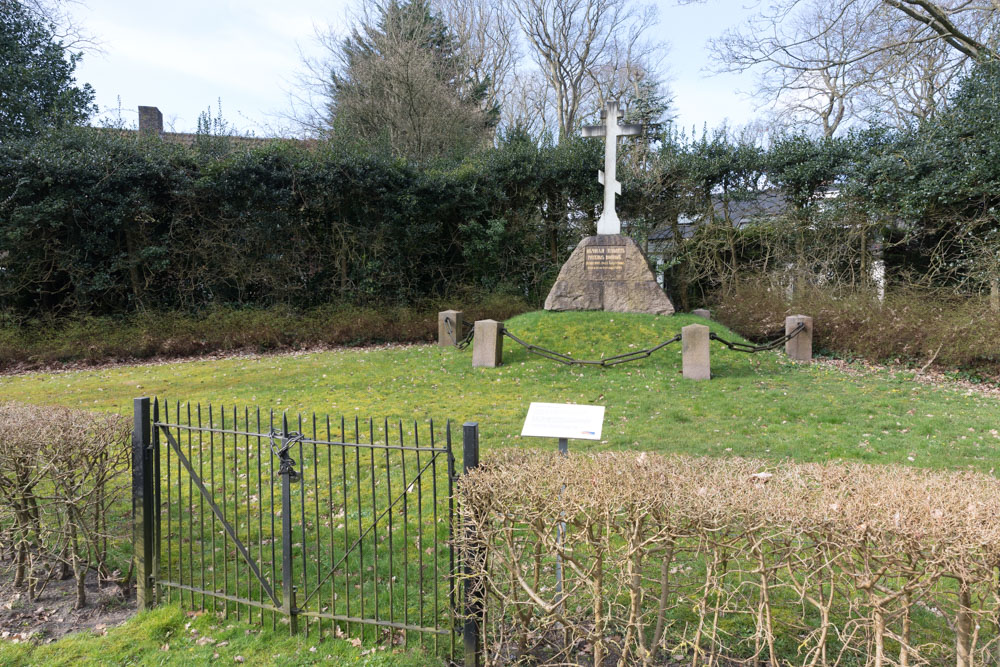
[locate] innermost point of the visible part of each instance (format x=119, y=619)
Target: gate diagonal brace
x=369, y=529
x=218, y=514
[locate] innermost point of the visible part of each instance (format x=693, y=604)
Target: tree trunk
x=963, y=628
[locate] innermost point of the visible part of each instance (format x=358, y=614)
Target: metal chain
x=286, y=461
x=747, y=347
x=570, y=361
x=629, y=356
x=465, y=342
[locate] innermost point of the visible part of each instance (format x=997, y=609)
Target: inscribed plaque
x=604, y=261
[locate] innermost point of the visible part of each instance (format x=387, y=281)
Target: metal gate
x=339, y=527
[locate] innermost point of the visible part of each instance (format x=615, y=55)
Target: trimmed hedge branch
x=669, y=558
x=61, y=483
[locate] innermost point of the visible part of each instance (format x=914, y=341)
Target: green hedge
x=103, y=222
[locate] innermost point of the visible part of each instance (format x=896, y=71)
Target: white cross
x=609, y=223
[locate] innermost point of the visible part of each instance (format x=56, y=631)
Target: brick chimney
x=150, y=121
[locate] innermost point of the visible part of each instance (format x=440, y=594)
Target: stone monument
x=608, y=271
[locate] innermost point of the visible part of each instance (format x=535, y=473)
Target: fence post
x=487, y=344
x=450, y=324
x=474, y=604
x=800, y=347
x=287, y=576
x=143, y=505
x=695, y=353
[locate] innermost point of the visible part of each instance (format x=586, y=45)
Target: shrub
x=177, y=334
x=62, y=476
x=710, y=560
x=910, y=325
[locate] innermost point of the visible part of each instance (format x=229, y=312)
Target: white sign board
x=564, y=420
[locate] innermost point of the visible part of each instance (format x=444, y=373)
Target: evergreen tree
x=36, y=77
x=403, y=86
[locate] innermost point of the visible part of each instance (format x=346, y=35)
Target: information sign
x=564, y=420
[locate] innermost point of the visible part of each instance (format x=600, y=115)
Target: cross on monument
x=611, y=130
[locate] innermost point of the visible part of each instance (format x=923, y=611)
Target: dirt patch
x=52, y=616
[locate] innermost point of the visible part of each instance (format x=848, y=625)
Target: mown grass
x=168, y=635
x=756, y=405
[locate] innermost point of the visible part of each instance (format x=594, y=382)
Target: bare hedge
x=708, y=561
x=63, y=485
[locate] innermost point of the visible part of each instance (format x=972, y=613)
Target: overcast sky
x=186, y=56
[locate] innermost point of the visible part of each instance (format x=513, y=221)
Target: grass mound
x=756, y=405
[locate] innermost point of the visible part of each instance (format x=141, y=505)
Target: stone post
x=487, y=344
x=799, y=348
x=449, y=333
x=702, y=312
x=695, y=352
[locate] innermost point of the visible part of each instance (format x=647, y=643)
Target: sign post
x=563, y=421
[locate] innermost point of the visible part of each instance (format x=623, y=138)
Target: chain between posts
x=467, y=340
x=747, y=347
x=570, y=361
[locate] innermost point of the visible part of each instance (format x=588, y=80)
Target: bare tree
x=487, y=36
x=571, y=40
x=901, y=88
x=531, y=105
x=801, y=65
x=66, y=28
x=828, y=61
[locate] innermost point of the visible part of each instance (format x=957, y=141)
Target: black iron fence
x=334, y=527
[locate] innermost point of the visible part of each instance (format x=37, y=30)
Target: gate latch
x=287, y=466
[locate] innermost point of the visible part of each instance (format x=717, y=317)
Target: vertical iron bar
x=437, y=579
x=473, y=594
x=225, y=535
x=333, y=528
x=201, y=505
x=190, y=502
x=420, y=531
x=305, y=534
x=287, y=580
x=142, y=502
x=361, y=532
x=180, y=507
x=260, y=520
x=157, y=500
x=406, y=539
x=246, y=469
x=170, y=504
x=452, y=572
x=274, y=558
x=388, y=495
x=347, y=541
x=211, y=471
x=236, y=509
x=318, y=523
x=371, y=460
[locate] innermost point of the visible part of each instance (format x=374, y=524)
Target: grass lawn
x=169, y=636
x=756, y=405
